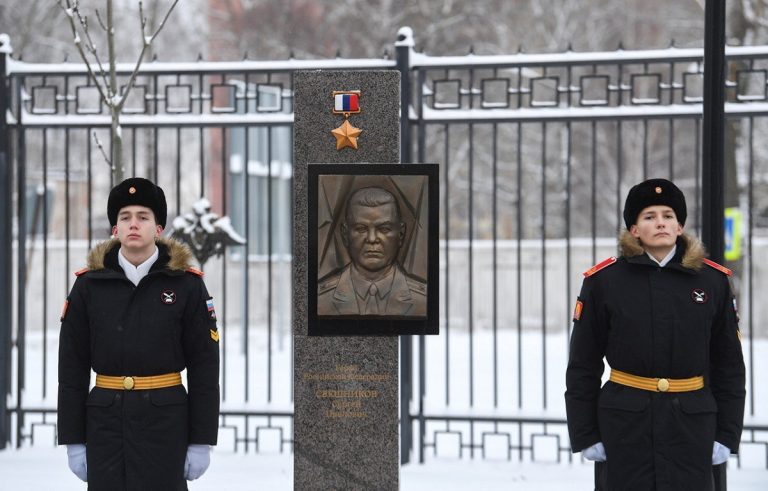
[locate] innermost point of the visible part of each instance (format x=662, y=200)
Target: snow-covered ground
x=45, y=468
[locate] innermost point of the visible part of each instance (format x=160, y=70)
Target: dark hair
x=371, y=197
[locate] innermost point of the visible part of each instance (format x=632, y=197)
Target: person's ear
x=344, y=238
x=159, y=231
x=680, y=228
x=114, y=230
x=634, y=231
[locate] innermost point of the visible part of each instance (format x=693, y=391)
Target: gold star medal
x=346, y=102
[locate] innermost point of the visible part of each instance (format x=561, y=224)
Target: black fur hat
x=137, y=191
x=654, y=192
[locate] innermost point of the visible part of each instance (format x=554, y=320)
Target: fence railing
x=536, y=154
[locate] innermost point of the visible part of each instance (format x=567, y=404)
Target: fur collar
x=179, y=253
x=692, y=258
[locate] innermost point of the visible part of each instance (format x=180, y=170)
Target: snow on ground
x=45, y=468
x=511, y=371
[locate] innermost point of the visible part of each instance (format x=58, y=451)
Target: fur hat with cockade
x=137, y=191
x=651, y=193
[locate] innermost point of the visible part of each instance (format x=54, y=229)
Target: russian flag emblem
x=346, y=102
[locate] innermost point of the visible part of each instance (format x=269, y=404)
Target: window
x=269, y=168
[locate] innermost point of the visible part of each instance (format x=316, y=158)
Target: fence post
x=713, y=148
x=403, y=47
x=6, y=247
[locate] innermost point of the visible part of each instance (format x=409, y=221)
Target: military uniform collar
x=670, y=255
x=689, y=256
x=174, y=258
x=361, y=284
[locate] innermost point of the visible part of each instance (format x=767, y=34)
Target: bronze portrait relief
x=373, y=282
x=371, y=248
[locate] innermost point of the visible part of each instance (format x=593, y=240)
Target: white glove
x=198, y=460
x=76, y=460
x=720, y=453
x=596, y=452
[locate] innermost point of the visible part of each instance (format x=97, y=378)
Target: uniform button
x=117, y=397
x=663, y=385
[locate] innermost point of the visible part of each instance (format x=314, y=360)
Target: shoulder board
x=718, y=267
x=601, y=265
x=81, y=272
x=328, y=285
x=195, y=272
x=416, y=286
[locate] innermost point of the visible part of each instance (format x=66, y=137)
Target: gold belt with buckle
x=657, y=384
x=138, y=383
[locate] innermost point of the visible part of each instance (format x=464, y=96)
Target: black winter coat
x=137, y=440
x=647, y=321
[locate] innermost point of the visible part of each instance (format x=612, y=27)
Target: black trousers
x=718, y=477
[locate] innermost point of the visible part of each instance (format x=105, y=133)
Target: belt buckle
x=662, y=385
x=128, y=383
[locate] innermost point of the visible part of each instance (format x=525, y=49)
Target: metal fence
x=536, y=154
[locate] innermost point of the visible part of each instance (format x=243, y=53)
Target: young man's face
x=373, y=236
x=136, y=228
x=657, y=228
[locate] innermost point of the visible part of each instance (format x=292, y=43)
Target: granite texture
x=346, y=388
x=346, y=414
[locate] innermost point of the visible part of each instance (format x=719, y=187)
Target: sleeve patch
x=577, y=310
x=210, y=308
x=215, y=335
x=64, y=311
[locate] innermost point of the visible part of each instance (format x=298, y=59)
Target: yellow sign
x=732, y=234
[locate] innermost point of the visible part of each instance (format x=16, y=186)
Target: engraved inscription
x=343, y=402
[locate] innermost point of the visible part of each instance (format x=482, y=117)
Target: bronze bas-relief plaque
x=371, y=237
x=373, y=232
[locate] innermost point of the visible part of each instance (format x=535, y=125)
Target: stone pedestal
x=346, y=388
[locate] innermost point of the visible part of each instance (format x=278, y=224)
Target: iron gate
x=536, y=154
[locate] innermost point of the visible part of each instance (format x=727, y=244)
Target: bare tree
x=105, y=77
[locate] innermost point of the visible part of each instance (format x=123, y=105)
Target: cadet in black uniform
x=138, y=316
x=665, y=319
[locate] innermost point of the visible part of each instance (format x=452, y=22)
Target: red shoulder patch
x=578, y=310
x=195, y=272
x=81, y=272
x=718, y=267
x=601, y=265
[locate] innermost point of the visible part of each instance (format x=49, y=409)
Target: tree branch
x=751, y=16
x=146, y=41
x=101, y=148
x=91, y=46
x=101, y=22
x=162, y=24
x=70, y=12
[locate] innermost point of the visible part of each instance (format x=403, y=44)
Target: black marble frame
x=385, y=325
